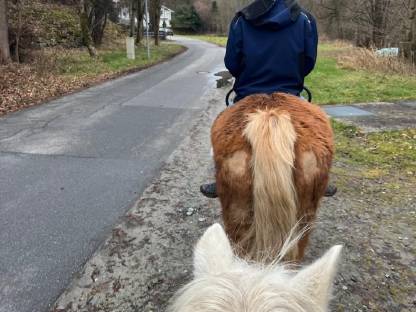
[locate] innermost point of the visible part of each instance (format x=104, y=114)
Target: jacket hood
x=280, y=16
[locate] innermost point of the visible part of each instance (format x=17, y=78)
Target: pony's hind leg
x=311, y=183
x=234, y=186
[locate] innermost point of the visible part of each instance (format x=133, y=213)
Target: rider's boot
x=209, y=190
x=331, y=190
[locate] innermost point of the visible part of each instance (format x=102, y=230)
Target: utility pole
x=147, y=28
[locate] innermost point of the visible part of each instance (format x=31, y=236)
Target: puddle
x=225, y=78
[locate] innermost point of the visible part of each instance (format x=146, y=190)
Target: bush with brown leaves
x=367, y=59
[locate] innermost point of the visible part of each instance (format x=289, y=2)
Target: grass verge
x=58, y=71
x=332, y=83
x=76, y=63
x=387, y=151
x=384, y=160
x=218, y=40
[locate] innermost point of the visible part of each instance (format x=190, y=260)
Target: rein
x=308, y=92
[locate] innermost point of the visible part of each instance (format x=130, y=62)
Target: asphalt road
x=71, y=168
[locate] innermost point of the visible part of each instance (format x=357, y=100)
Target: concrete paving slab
x=345, y=111
x=377, y=117
x=411, y=104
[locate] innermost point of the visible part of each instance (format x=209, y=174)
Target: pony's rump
x=272, y=157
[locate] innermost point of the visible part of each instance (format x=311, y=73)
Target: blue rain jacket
x=275, y=55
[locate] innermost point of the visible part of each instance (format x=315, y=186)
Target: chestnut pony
x=272, y=158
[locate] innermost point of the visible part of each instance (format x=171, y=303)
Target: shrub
x=366, y=59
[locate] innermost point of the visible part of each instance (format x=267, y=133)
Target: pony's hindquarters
x=272, y=138
x=272, y=156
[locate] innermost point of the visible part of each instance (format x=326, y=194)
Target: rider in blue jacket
x=272, y=46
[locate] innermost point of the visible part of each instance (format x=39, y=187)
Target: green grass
x=331, y=84
x=77, y=63
x=381, y=152
x=218, y=40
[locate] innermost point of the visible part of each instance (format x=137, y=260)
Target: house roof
x=166, y=8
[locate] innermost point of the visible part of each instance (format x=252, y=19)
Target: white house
x=165, y=16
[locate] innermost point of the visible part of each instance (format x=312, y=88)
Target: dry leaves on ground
x=21, y=86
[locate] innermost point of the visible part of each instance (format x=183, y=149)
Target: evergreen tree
x=186, y=19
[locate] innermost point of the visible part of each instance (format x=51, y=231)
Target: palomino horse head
x=224, y=283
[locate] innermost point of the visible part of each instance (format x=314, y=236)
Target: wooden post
x=130, y=48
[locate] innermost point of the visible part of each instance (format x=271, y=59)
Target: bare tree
x=332, y=13
x=4, y=34
x=368, y=23
x=97, y=19
x=140, y=15
x=408, y=46
x=155, y=8
x=132, y=16
x=19, y=7
x=378, y=14
x=84, y=12
x=215, y=15
x=205, y=13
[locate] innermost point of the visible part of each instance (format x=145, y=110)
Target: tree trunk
x=413, y=31
x=4, y=34
x=378, y=21
x=85, y=29
x=156, y=19
x=408, y=46
x=132, y=17
x=140, y=14
x=19, y=6
x=98, y=20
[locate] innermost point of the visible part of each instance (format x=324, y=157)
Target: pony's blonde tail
x=272, y=137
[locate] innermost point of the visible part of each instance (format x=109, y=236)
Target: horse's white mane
x=225, y=283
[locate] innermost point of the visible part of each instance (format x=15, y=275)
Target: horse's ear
x=316, y=279
x=213, y=253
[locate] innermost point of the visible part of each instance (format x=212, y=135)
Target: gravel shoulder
x=149, y=254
